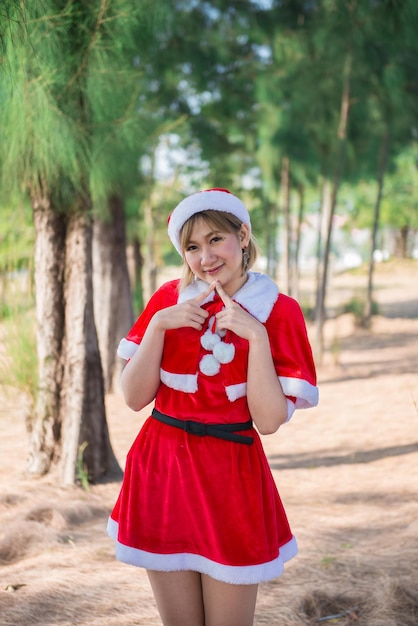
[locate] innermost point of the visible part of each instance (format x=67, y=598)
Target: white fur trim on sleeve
x=291, y=408
x=127, y=349
x=306, y=394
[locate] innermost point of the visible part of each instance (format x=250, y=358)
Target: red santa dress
x=201, y=503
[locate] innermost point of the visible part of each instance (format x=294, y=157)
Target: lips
x=214, y=270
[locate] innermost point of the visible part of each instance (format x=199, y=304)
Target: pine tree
x=60, y=110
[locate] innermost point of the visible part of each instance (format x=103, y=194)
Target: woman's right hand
x=145, y=363
x=189, y=313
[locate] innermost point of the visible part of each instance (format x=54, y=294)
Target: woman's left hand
x=234, y=317
x=264, y=390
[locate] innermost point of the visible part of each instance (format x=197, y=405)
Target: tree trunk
x=113, y=312
x=150, y=263
x=86, y=450
x=296, y=261
x=285, y=204
x=149, y=276
x=384, y=150
x=402, y=242
x=339, y=166
x=323, y=219
x=44, y=425
x=271, y=237
x=135, y=264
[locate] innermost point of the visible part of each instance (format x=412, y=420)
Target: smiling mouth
x=214, y=270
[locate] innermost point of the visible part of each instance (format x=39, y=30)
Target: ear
x=244, y=235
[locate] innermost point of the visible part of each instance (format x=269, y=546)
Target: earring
x=245, y=259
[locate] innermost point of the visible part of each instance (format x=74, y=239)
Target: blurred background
x=111, y=112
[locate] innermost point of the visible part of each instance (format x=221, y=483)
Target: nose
x=207, y=256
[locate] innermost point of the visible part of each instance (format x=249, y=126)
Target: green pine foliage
x=402, y=184
x=69, y=96
x=16, y=259
x=16, y=237
x=18, y=358
x=42, y=140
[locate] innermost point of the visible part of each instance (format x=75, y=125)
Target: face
x=217, y=255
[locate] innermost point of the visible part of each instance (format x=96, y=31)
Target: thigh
x=178, y=596
x=228, y=605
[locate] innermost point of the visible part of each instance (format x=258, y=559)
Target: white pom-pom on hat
x=216, y=199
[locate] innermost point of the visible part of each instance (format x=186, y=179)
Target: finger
x=202, y=297
x=228, y=302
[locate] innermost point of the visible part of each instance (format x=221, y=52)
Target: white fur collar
x=258, y=295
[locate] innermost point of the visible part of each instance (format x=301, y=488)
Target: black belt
x=221, y=431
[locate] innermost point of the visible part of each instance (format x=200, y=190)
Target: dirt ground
x=347, y=472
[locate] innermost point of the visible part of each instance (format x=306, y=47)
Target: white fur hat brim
x=210, y=199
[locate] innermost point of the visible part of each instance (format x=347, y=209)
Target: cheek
x=190, y=260
x=233, y=250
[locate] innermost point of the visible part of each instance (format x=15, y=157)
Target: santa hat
x=211, y=199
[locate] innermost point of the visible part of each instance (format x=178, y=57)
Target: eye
x=191, y=247
x=216, y=239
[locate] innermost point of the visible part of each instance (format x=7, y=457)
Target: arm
x=141, y=376
x=266, y=400
x=265, y=397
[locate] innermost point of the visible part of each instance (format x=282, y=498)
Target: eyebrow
x=207, y=236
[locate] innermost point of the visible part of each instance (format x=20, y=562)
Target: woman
x=219, y=351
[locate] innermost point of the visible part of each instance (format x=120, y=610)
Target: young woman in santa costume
x=225, y=356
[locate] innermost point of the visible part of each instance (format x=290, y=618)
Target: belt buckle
x=195, y=428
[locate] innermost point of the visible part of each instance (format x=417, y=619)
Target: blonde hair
x=220, y=221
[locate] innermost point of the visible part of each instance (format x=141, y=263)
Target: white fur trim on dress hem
x=238, y=575
x=306, y=394
x=179, y=382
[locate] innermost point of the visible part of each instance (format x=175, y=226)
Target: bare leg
x=178, y=596
x=228, y=605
